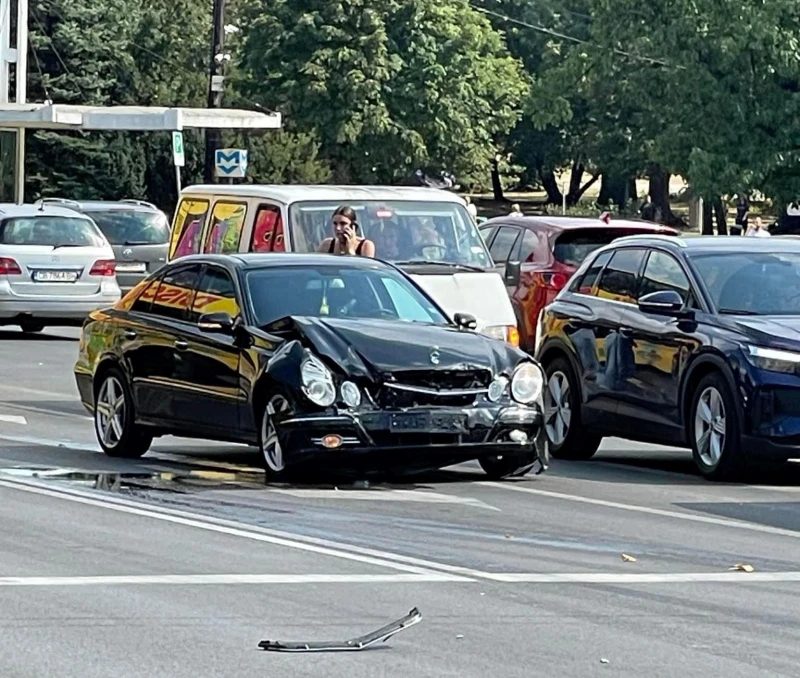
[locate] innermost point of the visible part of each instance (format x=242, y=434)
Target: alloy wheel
x=710, y=426
x=271, y=446
x=109, y=412
x=557, y=410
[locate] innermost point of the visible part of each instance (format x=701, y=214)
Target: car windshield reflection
x=337, y=292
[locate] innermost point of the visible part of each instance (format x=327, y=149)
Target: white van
x=426, y=232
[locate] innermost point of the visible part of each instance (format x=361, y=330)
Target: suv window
x=585, y=285
x=530, y=243
x=132, y=227
x=620, y=278
x=503, y=243
x=50, y=231
x=215, y=294
x=664, y=273
x=176, y=293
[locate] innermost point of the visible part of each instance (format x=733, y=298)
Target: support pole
x=22, y=96
x=213, y=137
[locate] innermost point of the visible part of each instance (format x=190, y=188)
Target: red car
x=537, y=256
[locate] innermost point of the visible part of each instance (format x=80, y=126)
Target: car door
x=155, y=355
x=661, y=348
x=206, y=373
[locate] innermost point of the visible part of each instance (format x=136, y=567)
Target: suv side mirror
x=513, y=273
x=667, y=303
x=465, y=321
x=216, y=322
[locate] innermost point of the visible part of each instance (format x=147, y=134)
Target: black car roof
x=712, y=244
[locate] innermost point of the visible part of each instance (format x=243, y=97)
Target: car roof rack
x=674, y=239
x=61, y=202
x=141, y=203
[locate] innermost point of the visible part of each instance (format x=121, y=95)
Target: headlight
x=508, y=333
x=526, y=384
x=773, y=360
x=317, y=382
x=497, y=388
x=350, y=394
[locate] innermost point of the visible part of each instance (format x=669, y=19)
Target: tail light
x=551, y=279
x=9, y=267
x=104, y=267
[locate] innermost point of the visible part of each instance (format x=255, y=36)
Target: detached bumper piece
x=380, y=635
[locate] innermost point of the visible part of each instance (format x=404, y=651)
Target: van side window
x=188, y=228
x=227, y=222
x=268, y=233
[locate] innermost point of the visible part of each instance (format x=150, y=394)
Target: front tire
x=272, y=451
x=713, y=430
x=114, y=418
x=562, y=412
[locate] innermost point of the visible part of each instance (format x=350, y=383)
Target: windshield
x=338, y=292
x=403, y=231
x=573, y=246
x=132, y=227
x=749, y=283
x=51, y=232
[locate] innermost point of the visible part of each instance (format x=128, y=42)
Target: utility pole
x=19, y=56
x=215, y=84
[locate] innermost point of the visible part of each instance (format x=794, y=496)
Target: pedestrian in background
x=742, y=216
x=758, y=230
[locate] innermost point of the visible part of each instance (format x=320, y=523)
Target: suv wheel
x=114, y=418
x=562, y=413
x=714, y=430
x=272, y=451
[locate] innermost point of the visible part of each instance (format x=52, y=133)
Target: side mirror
x=667, y=303
x=216, y=322
x=465, y=321
x=513, y=273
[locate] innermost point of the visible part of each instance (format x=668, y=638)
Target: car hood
x=766, y=330
x=376, y=348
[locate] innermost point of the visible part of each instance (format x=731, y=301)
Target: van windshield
x=419, y=232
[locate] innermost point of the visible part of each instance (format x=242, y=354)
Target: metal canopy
x=63, y=117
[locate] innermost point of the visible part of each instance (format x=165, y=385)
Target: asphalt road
x=179, y=564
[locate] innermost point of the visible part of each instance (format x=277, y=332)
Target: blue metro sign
x=231, y=162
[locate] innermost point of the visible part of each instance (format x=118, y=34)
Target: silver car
x=56, y=267
x=138, y=232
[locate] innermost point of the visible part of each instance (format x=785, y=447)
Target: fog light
x=518, y=437
x=350, y=394
x=332, y=441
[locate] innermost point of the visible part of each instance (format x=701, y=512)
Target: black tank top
x=333, y=246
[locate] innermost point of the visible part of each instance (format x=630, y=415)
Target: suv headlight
x=527, y=383
x=772, y=359
x=317, y=381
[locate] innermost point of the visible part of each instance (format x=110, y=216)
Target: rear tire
x=115, y=417
x=713, y=430
x=562, y=409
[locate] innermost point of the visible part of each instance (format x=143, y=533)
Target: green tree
x=386, y=86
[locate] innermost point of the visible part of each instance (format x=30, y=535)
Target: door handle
x=129, y=334
x=181, y=345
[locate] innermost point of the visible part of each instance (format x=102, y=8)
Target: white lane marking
x=634, y=508
x=202, y=523
x=48, y=412
x=227, y=579
x=13, y=419
x=421, y=566
x=647, y=578
x=385, y=494
x=46, y=442
x=15, y=389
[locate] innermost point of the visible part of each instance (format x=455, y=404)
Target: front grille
x=444, y=379
x=394, y=399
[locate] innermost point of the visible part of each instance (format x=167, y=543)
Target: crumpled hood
x=761, y=329
x=372, y=348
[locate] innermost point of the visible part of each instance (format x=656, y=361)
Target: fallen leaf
x=628, y=559
x=741, y=567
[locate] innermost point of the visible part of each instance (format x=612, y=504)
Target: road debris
x=628, y=559
x=460, y=636
x=603, y=660
x=741, y=567
x=380, y=635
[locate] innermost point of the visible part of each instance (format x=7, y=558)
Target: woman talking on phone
x=346, y=239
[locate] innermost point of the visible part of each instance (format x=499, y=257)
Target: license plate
x=432, y=422
x=131, y=268
x=55, y=276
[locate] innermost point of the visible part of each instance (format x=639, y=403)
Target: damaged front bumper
x=425, y=437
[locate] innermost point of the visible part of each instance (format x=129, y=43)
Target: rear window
x=50, y=232
x=573, y=246
x=129, y=227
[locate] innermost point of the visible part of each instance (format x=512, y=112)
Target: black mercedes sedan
x=314, y=358
x=680, y=341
